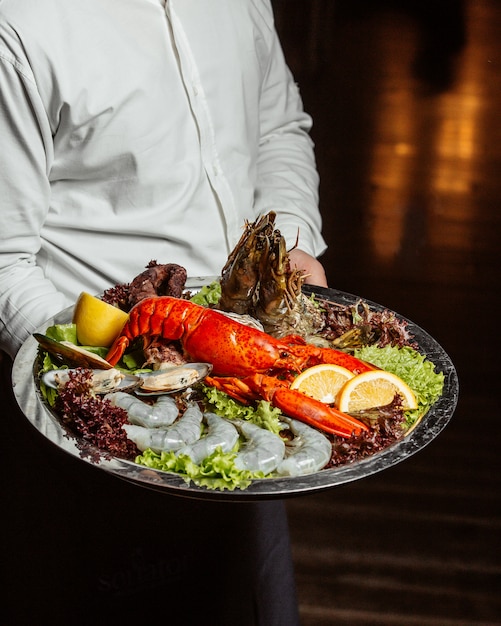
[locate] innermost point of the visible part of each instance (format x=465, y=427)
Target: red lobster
x=249, y=357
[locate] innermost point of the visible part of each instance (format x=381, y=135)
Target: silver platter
x=40, y=416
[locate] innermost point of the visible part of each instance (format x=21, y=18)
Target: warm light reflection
x=456, y=146
x=390, y=174
x=391, y=168
x=455, y=142
x=426, y=149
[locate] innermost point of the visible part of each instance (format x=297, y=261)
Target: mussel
x=70, y=354
x=102, y=381
x=172, y=379
x=105, y=378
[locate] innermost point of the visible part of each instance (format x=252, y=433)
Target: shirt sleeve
x=287, y=178
x=27, y=298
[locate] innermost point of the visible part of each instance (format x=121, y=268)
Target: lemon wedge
x=373, y=389
x=98, y=323
x=322, y=382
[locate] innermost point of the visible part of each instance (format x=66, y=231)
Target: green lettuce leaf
x=46, y=364
x=208, y=295
x=217, y=471
x=414, y=369
x=63, y=332
x=68, y=332
x=263, y=414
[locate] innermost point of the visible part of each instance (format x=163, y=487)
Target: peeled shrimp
x=308, y=452
x=186, y=430
x=262, y=450
x=158, y=415
x=220, y=434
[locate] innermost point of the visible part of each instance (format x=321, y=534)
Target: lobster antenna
x=296, y=244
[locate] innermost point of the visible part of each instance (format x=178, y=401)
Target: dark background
x=405, y=99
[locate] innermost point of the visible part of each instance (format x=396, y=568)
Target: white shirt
x=134, y=130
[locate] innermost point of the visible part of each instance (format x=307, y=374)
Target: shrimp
x=158, y=415
x=262, y=450
x=221, y=434
x=186, y=430
x=308, y=452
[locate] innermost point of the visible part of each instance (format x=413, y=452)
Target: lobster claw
x=316, y=413
x=291, y=402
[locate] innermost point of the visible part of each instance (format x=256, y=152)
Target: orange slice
x=373, y=389
x=322, y=382
x=98, y=323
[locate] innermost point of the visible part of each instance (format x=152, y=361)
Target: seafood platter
x=250, y=385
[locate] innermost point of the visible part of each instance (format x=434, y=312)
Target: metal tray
x=40, y=416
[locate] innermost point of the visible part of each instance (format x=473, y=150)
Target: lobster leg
x=314, y=355
x=117, y=350
x=236, y=388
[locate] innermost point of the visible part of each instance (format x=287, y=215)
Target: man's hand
x=314, y=270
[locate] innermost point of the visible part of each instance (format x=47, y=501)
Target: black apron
x=83, y=547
